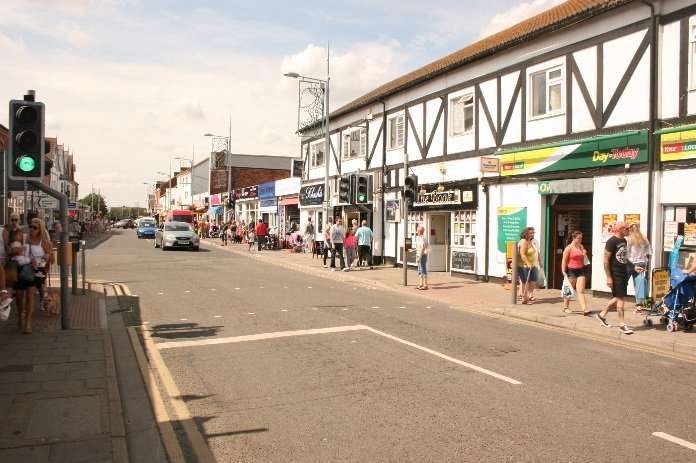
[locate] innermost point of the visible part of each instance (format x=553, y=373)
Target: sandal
x=419, y=287
x=567, y=310
x=638, y=311
x=424, y=288
x=586, y=313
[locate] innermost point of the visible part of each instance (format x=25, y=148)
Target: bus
x=180, y=215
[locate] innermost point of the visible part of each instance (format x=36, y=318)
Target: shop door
x=569, y=212
x=439, y=242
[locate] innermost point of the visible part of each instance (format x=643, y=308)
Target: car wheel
x=196, y=248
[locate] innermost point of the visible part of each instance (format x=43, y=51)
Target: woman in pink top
x=572, y=267
x=351, y=246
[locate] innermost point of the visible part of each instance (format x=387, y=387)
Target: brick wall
x=244, y=177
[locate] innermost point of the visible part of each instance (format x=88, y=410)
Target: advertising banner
x=676, y=146
x=511, y=222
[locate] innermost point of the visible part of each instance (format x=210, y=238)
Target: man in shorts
x=616, y=268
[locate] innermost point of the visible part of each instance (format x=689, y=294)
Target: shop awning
x=215, y=210
x=289, y=201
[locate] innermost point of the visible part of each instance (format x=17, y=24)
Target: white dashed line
x=283, y=310
x=250, y=313
x=217, y=316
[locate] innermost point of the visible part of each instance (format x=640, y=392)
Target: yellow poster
x=632, y=218
x=689, y=234
x=608, y=221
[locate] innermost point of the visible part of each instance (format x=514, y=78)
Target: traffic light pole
x=63, y=254
x=405, y=209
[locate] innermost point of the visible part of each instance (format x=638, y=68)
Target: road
x=279, y=365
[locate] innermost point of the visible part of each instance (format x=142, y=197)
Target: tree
x=96, y=203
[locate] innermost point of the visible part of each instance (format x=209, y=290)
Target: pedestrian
x=337, y=234
x=422, y=251
x=526, y=267
x=223, y=233
x=250, y=239
x=309, y=235
x=616, y=269
x=572, y=267
x=351, y=247
x=7, y=232
x=639, y=252
x=38, y=249
x=260, y=231
x=327, y=242
x=364, y=237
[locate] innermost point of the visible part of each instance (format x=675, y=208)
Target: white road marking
x=309, y=287
x=375, y=307
x=212, y=289
x=336, y=329
x=159, y=294
x=250, y=313
x=183, y=319
x=217, y=316
x=237, y=288
x=187, y=291
x=283, y=310
x=675, y=440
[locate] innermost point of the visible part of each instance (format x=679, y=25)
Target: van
x=180, y=215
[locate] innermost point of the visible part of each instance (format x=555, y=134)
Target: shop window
x=396, y=132
x=464, y=232
x=316, y=155
x=355, y=144
x=692, y=53
x=462, y=115
x=546, y=92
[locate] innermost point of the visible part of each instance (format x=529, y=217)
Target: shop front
x=448, y=212
x=248, y=205
x=311, y=203
x=677, y=196
x=584, y=185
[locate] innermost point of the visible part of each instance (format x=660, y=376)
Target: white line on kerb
x=336, y=329
x=675, y=440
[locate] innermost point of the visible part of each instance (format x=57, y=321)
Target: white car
x=176, y=235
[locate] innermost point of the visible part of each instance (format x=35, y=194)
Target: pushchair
x=678, y=304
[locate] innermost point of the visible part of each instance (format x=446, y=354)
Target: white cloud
x=516, y=14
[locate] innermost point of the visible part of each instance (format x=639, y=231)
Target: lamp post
x=228, y=162
x=325, y=122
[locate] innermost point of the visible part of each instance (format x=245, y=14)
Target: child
x=351, y=246
x=250, y=238
x=17, y=254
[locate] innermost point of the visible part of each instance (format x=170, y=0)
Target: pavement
x=77, y=395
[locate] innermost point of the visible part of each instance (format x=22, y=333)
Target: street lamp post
x=327, y=137
x=228, y=162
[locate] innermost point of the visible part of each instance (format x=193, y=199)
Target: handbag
x=585, y=260
x=5, y=311
x=26, y=274
x=11, y=272
x=567, y=290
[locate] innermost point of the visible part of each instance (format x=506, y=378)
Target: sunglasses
x=34, y=227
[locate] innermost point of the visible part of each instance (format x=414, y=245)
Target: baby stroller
x=678, y=304
x=214, y=231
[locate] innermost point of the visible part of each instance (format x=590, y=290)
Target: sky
x=130, y=85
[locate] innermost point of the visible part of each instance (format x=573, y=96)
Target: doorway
x=569, y=212
x=439, y=242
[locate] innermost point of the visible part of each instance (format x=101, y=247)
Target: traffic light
x=411, y=188
x=362, y=185
x=26, y=140
x=345, y=189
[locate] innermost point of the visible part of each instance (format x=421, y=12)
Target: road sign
x=46, y=202
x=72, y=205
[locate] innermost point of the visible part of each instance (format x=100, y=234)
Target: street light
x=325, y=122
x=228, y=161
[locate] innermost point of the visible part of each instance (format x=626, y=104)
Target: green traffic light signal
x=26, y=163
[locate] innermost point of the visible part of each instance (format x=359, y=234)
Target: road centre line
x=336, y=329
x=675, y=440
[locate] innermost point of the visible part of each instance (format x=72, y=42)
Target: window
x=692, y=56
x=396, y=132
x=461, y=115
x=355, y=144
x=464, y=224
x=316, y=155
x=546, y=92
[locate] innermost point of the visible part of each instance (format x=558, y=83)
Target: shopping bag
x=541, y=278
x=585, y=260
x=26, y=274
x=567, y=290
x=5, y=309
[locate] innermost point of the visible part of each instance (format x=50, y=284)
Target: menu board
x=463, y=260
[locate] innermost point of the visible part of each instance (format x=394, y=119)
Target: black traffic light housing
x=411, y=188
x=26, y=140
x=362, y=189
x=346, y=187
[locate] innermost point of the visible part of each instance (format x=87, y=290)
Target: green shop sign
x=511, y=222
x=613, y=150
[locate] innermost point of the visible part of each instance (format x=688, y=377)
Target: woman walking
x=526, y=264
x=327, y=242
x=572, y=267
x=38, y=249
x=638, y=252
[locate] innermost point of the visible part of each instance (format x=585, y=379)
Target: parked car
x=176, y=235
x=128, y=223
x=146, y=227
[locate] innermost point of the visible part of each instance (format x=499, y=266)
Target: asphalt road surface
x=277, y=365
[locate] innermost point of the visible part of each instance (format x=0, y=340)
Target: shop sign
x=250, y=192
x=268, y=203
x=511, y=222
x=489, y=164
x=267, y=190
x=676, y=146
x=454, y=196
x=312, y=195
x=591, y=153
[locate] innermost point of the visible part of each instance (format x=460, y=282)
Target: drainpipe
x=384, y=178
x=487, y=251
x=653, y=158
